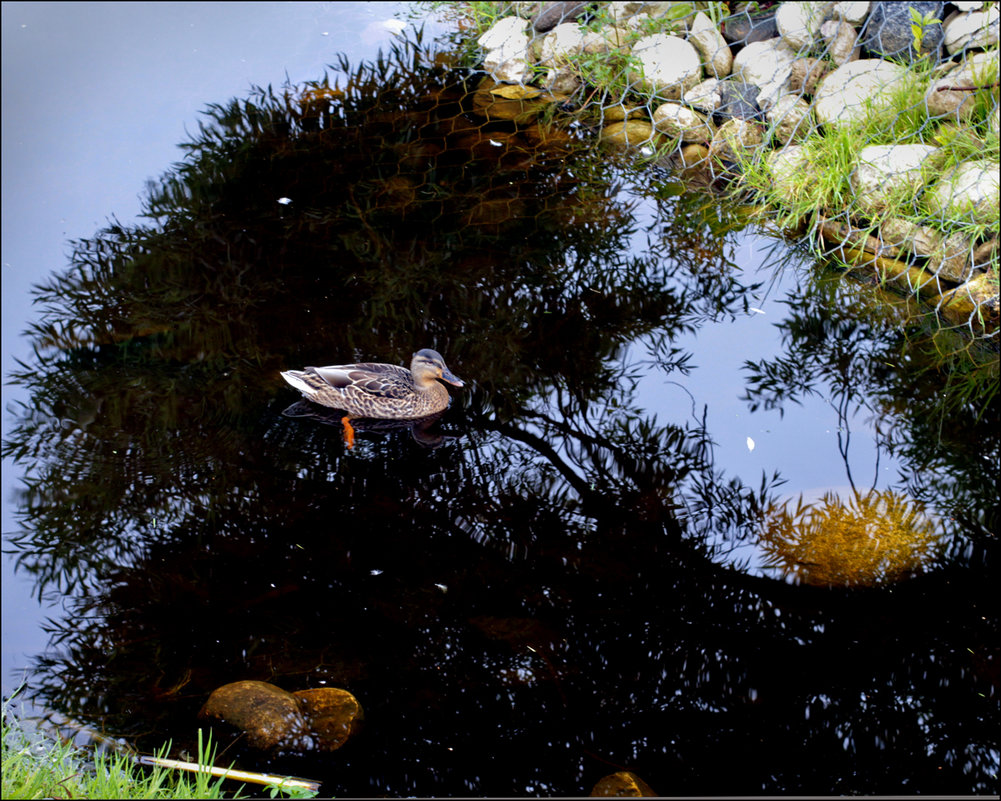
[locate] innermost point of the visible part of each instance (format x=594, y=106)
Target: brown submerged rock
x=268, y=716
x=334, y=715
x=624, y=784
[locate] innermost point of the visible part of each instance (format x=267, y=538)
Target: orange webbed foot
x=349, y=431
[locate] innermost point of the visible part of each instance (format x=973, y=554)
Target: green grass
x=823, y=185
x=38, y=766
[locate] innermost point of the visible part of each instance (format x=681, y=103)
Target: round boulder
x=853, y=90
x=670, y=65
x=268, y=716
x=970, y=190
x=334, y=715
x=682, y=123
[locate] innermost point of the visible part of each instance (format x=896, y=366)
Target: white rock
x=764, y=63
x=737, y=139
x=704, y=96
x=507, y=45
x=841, y=39
x=798, y=22
x=851, y=12
x=670, y=65
x=785, y=165
x=623, y=11
x=716, y=53
x=679, y=121
x=510, y=32
x=790, y=115
x=853, y=89
x=949, y=94
x=975, y=29
x=967, y=5
x=562, y=43
x=971, y=189
x=883, y=171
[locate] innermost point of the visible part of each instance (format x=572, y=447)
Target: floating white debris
x=750, y=444
x=756, y=310
x=394, y=26
x=284, y=200
x=442, y=587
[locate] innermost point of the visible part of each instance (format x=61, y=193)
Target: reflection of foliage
x=873, y=539
x=893, y=374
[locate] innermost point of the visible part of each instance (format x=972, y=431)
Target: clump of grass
x=822, y=184
x=38, y=766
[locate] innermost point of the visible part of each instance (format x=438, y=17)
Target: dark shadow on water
x=534, y=596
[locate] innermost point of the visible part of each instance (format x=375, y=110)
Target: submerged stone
x=680, y=122
x=334, y=715
x=624, y=784
x=268, y=716
x=631, y=133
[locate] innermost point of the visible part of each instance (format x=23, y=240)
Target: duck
x=378, y=391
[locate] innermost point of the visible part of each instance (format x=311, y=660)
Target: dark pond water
x=698, y=513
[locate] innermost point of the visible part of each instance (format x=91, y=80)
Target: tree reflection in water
x=537, y=601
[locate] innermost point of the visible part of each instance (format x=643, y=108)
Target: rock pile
x=765, y=80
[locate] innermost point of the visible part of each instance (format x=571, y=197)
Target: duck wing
x=380, y=380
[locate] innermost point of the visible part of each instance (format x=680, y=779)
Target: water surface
x=580, y=567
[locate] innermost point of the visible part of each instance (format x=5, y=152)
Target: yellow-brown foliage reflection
x=869, y=540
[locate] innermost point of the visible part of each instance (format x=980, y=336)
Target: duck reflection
x=425, y=430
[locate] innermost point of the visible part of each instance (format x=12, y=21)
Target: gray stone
x=949, y=94
x=704, y=96
x=786, y=165
x=888, y=30
x=745, y=28
x=561, y=44
x=851, y=12
x=767, y=65
x=562, y=80
x=738, y=100
x=506, y=44
x=552, y=14
x=806, y=74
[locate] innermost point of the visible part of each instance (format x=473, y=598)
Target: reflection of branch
x=544, y=448
x=843, y=444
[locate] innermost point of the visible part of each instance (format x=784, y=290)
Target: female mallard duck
x=382, y=391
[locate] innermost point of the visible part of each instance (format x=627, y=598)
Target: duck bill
x=446, y=375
